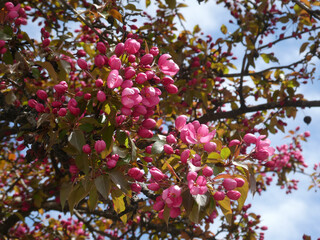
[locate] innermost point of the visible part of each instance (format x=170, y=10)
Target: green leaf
x=77, y=194
x=120, y=181
x=93, y=198
x=244, y=193
x=87, y=127
x=102, y=184
x=7, y=58
x=226, y=209
x=225, y=153
x=187, y=201
x=82, y=162
x=52, y=72
x=194, y=214
x=166, y=214
x=303, y=47
x=77, y=140
x=265, y=57
x=4, y=36
x=118, y=203
x=122, y=152
x=157, y=147
x=10, y=98
x=133, y=150
x=107, y=134
x=148, y=2
x=171, y=3
x=224, y=29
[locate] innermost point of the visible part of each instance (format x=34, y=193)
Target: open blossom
x=193, y=133
x=130, y=97
x=197, y=185
x=172, y=196
x=263, y=149
x=150, y=96
x=132, y=46
x=114, y=80
x=167, y=65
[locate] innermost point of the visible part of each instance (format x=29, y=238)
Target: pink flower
x=149, y=123
x=240, y=182
x=146, y=59
x=210, y=147
x=196, y=161
x=114, y=80
x=130, y=97
x=32, y=103
x=157, y=174
x=229, y=184
x=153, y=186
x=175, y=212
x=141, y=78
x=172, y=196
x=136, y=173
x=249, y=138
x=62, y=112
x=166, y=66
x=219, y=196
x=207, y=171
x=119, y=49
x=184, y=156
x=171, y=139
x=99, y=146
x=129, y=72
x=132, y=46
x=159, y=204
x=234, y=142
x=171, y=88
x=233, y=195
x=135, y=187
x=61, y=88
x=99, y=82
x=86, y=149
x=114, y=62
x=99, y=61
x=145, y=133
x=101, y=47
x=150, y=96
x=167, y=149
x=263, y=149
x=193, y=133
x=101, y=96
x=198, y=186
x=82, y=64
x=180, y=122
x=154, y=51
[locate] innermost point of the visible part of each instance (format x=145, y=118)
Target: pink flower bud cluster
x=16, y=14
x=262, y=149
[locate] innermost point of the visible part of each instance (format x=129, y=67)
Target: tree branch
x=213, y=116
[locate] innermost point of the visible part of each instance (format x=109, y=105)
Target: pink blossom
x=175, y=212
x=132, y=46
x=61, y=88
x=141, y=78
x=180, y=122
x=172, y=196
x=149, y=123
x=130, y=97
x=114, y=80
x=166, y=66
x=82, y=64
x=193, y=133
x=171, y=139
x=32, y=103
x=219, y=196
x=263, y=149
x=101, y=47
x=207, y=171
x=154, y=51
x=101, y=96
x=184, y=156
x=141, y=110
x=240, y=182
x=233, y=195
x=39, y=107
x=62, y=112
x=171, y=88
x=249, y=138
x=99, y=61
x=135, y=187
x=210, y=147
x=99, y=82
x=99, y=146
x=119, y=49
x=150, y=96
x=114, y=62
x=127, y=84
x=229, y=184
x=145, y=133
x=157, y=174
x=146, y=59
x=167, y=149
x=159, y=204
x=129, y=72
x=2, y=43
x=198, y=186
x=150, y=74
x=153, y=186
x=86, y=149
x=135, y=173
x=196, y=161
x=234, y=142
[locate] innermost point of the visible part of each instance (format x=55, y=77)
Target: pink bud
x=129, y=72
x=146, y=59
x=157, y=174
x=39, y=107
x=62, y=112
x=141, y=78
x=171, y=88
x=87, y=96
x=149, y=123
x=61, y=88
x=210, y=147
x=207, y=171
x=32, y=103
x=99, y=82
x=119, y=49
x=159, y=204
x=153, y=186
x=154, y=51
x=101, y=96
x=167, y=149
x=184, y=156
x=56, y=104
x=249, y=138
x=111, y=163
x=229, y=184
x=234, y=142
x=171, y=139
x=175, y=212
x=145, y=133
x=180, y=122
x=81, y=53
x=135, y=187
x=135, y=173
x=114, y=62
x=167, y=80
x=127, y=84
x=264, y=228
x=9, y=5
x=131, y=58
x=99, y=146
x=42, y=94
x=86, y=149
x=46, y=42
x=82, y=64
x=2, y=43
x=219, y=196
x=132, y=46
x=148, y=159
x=233, y=195
x=192, y=176
x=240, y=182
x=101, y=47
x=99, y=61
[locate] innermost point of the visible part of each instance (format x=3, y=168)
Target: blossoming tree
x=136, y=129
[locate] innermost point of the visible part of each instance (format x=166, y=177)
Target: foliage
x=139, y=129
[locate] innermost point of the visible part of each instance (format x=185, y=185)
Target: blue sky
x=288, y=217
